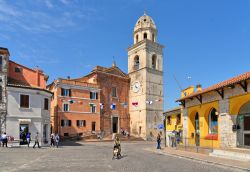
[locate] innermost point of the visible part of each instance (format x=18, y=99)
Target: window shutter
x=69, y=122
x=77, y=122
x=90, y=95
x=69, y=92
x=62, y=90
x=84, y=123
x=62, y=123
x=96, y=95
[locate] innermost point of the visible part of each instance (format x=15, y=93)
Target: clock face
x=136, y=86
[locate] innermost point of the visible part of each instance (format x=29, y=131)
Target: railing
x=201, y=145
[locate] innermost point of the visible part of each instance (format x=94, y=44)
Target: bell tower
x=145, y=68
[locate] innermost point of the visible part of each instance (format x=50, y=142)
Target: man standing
x=4, y=139
x=36, y=140
x=28, y=138
x=159, y=141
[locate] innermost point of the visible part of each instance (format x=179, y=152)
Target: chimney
x=198, y=87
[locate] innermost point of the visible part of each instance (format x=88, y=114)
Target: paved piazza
x=97, y=156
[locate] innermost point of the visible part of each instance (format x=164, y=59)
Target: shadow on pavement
x=70, y=143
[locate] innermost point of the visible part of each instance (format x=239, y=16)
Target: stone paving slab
x=205, y=158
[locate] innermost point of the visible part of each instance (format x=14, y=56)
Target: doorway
x=243, y=126
x=115, y=124
x=197, y=129
x=93, y=126
x=23, y=130
x=45, y=133
x=243, y=133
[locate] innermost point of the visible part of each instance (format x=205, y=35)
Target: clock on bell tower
x=145, y=68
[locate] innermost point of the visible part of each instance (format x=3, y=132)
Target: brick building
x=75, y=107
x=104, y=88
x=114, y=85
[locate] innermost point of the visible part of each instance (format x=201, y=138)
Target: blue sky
x=208, y=40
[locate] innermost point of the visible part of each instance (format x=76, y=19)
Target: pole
x=164, y=124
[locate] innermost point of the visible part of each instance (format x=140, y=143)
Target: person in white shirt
x=4, y=139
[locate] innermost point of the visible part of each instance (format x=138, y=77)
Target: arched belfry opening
x=145, y=36
x=136, y=62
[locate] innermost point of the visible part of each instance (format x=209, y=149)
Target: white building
x=28, y=110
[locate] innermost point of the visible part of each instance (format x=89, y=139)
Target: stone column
x=226, y=121
x=185, y=123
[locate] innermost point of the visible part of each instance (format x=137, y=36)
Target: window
x=18, y=69
x=46, y=104
x=92, y=108
x=93, y=95
x=65, y=107
x=136, y=38
x=145, y=35
x=65, y=123
x=93, y=126
x=81, y=123
x=153, y=37
x=65, y=92
x=169, y=120
x=114, y=94
x=213, y=122
x=154, y=61
x=66, y=134
x=178, y=119
x=24, y=101
x=136, y=62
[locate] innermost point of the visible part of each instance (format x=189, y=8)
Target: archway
x=243, y=125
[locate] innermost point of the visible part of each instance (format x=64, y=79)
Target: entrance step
x=234, y=155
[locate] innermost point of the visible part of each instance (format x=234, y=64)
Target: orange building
x=75, y=108
x=104, y=89
x=26, y=76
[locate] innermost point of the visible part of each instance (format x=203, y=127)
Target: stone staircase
x=234, y=154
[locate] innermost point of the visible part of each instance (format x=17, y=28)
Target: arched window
x=136, y=63
x=145, y=35
x=153, y=37
x=136, y=38
x=213, y=122
x=154, y=61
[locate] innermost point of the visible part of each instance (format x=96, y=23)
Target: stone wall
x=4, y=55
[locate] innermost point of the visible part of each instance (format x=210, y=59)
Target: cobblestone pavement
x=97, y=156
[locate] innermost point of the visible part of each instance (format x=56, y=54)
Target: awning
x=24, y=120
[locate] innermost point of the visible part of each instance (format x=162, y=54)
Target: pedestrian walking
x=28, y=136
x=57, y=139
x=36, y=140
x=52, y=140
x=159, y=141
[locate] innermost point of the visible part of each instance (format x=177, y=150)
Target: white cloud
x=49, y=4
x=18, y=16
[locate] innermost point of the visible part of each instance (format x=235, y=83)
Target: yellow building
x=218, y=116
x=173, y=122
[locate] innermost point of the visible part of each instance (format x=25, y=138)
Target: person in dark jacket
x=158, y=141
